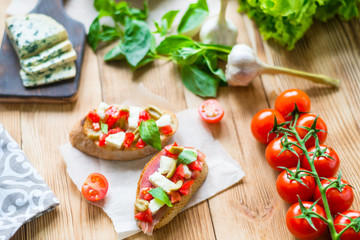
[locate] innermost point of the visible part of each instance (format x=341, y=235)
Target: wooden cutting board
x=11, y=87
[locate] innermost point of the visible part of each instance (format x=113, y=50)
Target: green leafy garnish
x=104, y=128
x=193, y=17
x=166, y=22
x=187, y=156
x=149, y=133
x=159, y=194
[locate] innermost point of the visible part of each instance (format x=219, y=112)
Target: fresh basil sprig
x=166, y=22
x=187, y=156
x=149, y=133
x=159, y=194
x=193, y=17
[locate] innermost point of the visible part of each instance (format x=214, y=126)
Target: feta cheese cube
x=155, y=204
x=163, y=121
x=101, y=110
x=187, y=172
x=115, y=140
x=165, y=164
x=134, y=113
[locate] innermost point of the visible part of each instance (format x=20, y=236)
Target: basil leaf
x=211, y=62
x=149, y=58
x=114, y=54
x=199, y=82
x=107, y=5
x=186, y=55
x=187, y=156
x=94, y=32
x=166, y=22
x=104, y=128
x=173, y=43
x=137, y=41
x=159, y=194
x=109, y=34
x=193, y=17
x=149, y=132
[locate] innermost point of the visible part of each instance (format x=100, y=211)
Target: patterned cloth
x=24, y=194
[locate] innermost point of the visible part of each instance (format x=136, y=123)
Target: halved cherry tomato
x=307, y=120
x=185, y=188
x=179, y=174
x=129, y=138
x=338, y=201
x=289, y=190
x=96, y=126
x=143, y=116
x=112, y=116
x=343, y=219
x=94, y=117
x=325, y=166
x=276, y=158
x=140, y=143
x=195, y=165
x=114, y=130
x=166, y=129
x=124, y=114
x=95, y=187
x=285, y=102
x=299, y=227
x=102, y=138
x=211, y=111
x=263, y=122
x=168, y=153
x=175, y=197
x=145, y=194
x=145, y=216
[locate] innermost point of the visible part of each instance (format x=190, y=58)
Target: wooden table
x=249, y=210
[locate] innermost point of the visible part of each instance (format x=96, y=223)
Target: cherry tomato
x=96, y=126
x=145, y=216
x=145, y=194
x=94, y=117
x=102, y=138
x=114, y=130
x=112, y=116
x=168, y=153
x=140, y=143
x=263, y=122
x=299, y=227
x=166, y=129
x=185, y=188
x=195, y=165
x=338, y=201
x=286, y=159
x=285, y=102
x=129, y=138
x=349, y=234
x=289, y=190
x=179, y=174
x=175, y=197
x=95, y=187
x=325, y=166
x=307, y=120
x=211, y=111
x=143, y=116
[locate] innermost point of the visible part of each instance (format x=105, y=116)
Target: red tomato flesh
x=211, y=111
x=166, y=129
x=285, y=102
x=145, y=216
x=95, y=187
x=349, y=234
x=307, y=120
x=94, y=117
x=185, y=188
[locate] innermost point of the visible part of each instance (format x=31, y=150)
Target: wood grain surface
x=249, y=210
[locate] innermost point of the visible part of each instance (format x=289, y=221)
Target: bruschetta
x=119, y=132
x=166, y=184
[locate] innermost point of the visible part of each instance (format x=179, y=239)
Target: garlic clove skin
x=217, y=31
x=242, y=66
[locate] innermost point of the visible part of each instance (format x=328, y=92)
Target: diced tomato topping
x=185, y=188
x=102, y=138
x=94, y=117
x=196, y=165
x=145, y=216
x=96, y=126
x=112, y=116
x=145, y=195
x=124, y=114
x=114, y=130
x=140, y=143
x=168, y=153
x=179, y=174
x=148, y=197
x=166, y=129
x=195, y=174
x=143, y=116
x=129, y=138
x=175, y=197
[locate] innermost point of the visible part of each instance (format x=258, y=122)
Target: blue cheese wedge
x=63, y=72
x=66, y=57
x=33, y=33
x=47, y=54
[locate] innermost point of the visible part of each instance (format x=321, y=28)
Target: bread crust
x=81, y=141
x=177, y=207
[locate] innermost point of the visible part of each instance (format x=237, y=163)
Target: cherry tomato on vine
x=299, y=227
x=307, y=120
x=289, y=189
x=95, y=187
x=263, y=122
x=211, y=111
x=325, y=166
x=285, y=102
x=349, y=234
x=286, y=159
x=338, y=201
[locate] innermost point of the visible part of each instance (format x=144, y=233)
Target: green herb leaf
x=186, y=55
x=104, y=128
x=174, y=43
x=193, y=17
x=211, y=62
x=199, y=82
x=106, y=5
x=166, y=22
x=187, y=156
x=109, y=34
x=149, y=132
x=114, y=54
x=94, y=31
x=159, y=194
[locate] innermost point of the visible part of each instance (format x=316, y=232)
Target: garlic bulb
x=218, y=29
x=243, y=66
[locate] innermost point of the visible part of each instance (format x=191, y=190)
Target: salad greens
x=198, y=63
x=286, y=21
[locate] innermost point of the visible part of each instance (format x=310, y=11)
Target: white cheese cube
x=134, y=113
x=187, y=172
x=101, y=110
x=162, y=182
x=165, y=164
x=115, y=140
x=155, y=204
x=163, y=121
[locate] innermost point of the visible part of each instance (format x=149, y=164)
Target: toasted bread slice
x=177, y=207
x=81, y=141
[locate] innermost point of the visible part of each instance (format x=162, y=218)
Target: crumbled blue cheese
x=33, y=33
x=52, y=75
x=47, y=54
x=115, y=140
x=101, y=110
x=162, y=182
x=164, y=120
x=165, y=164
x=155, y=204
x=187, y=171
x=134, y=113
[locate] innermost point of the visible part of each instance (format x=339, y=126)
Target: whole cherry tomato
x=299, y=227
x=285, y=159
x=211, y=111
x=349, y=234
x=307, y=120
x=325, y=166
x=263, y=122
x=95, y=187
x=289, y=189
x=338, y=201
x=285, y=102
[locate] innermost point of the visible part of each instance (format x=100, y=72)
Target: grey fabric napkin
x=24, y=194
